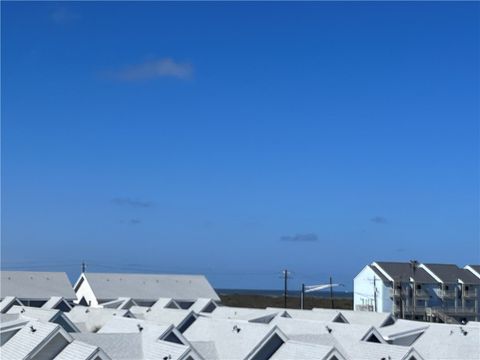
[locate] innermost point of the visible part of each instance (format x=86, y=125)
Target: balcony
x=451, y=310
x=396, y=292
x=469, y=294
x=418, y=310
x=421, y=294
x=446, y=294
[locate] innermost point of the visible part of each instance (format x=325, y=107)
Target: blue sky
x=239, y=139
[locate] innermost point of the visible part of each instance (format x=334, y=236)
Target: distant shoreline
x=291, y=293
x=260, y=301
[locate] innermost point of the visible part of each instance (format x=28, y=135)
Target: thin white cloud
x=165, y=67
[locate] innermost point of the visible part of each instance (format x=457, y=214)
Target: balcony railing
x=469, y=294
x=447, y=294
x=396, y=292
x=451, y=310
x=421, y=294
x=364, y=308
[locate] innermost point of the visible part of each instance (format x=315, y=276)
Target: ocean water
x=320, y=294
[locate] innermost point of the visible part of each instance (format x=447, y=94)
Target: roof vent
x=328, y=329
x=167, y=357
x=236, y=329
x=140, y=327
x=32, y=329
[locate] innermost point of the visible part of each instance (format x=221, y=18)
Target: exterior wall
x=84, y=290
x=384, y=297
x=364, y=292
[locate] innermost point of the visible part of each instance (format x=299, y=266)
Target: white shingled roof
x=44, y=315
x=29, y=339
x=238, y=313
x=298, y=350
x=165, y=303
x=232, y=339
x=473, y=324
x=36, y=285
x=328, y=315
x=174, y=317
x=126, y=325
x=78, y=350
x=116, y=346
x=202, y=304
x=54, y=301
x=120, y=303
x=150, y=287
x=7, y=303
x=403, y=328
x=131, y=346
x=445, y=341
x=164, y=350
x=360, y=317
x=94, y=318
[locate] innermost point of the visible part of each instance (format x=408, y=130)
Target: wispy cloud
x=134, y=221
x=309, y=237
x=153, y=69
x=132, y=202
x=64, y=16
x=379, y=220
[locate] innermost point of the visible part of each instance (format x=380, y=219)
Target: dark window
x=372, y=338
x=184, y=304
x=209, y=308
x=186, y=324
x=63, y=323
x=269, y=348
x=62, y=306
x=79, y=284
x=173, y=338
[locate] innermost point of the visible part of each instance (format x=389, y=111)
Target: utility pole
x=331, y=294
x=414, y=265
x=84, y=266
x=375, y=292
x=302, y=297
x=285, y=279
